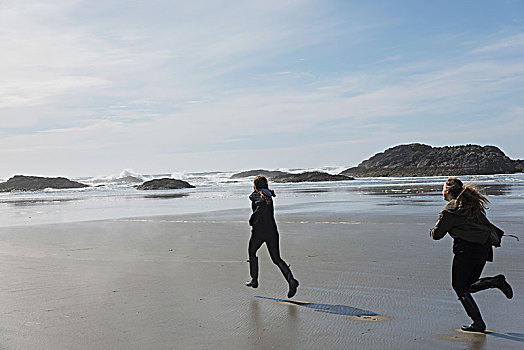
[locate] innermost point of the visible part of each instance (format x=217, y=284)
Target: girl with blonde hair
x=464, y=218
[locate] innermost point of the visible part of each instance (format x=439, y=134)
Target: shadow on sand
x=509, y=336
x=326, y=308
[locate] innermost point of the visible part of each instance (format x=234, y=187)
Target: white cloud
x=513, y=43
x=22, y=92
x=131, y=81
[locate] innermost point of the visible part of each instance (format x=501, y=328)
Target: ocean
x=114, y=197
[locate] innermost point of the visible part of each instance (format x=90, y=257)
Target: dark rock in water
x=164, y=184
x=270, y=174
x=36, y=183
x=424, y=160
x=312, y=176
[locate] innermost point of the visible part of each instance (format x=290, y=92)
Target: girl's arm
x=259, y=209
x=442, y=226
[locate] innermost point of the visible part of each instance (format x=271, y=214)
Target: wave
x=128, y=178
x=333, y=170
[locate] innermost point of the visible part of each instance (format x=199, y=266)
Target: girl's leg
x=473, y=312
x=274, y=251
x=465, y=272
x=476, y=271
x=253, y=246
x=477, y=284
x=498, y=281
x=464, y=269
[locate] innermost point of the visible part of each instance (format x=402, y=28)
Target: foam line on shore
x=244, y=221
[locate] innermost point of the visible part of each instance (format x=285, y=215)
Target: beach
x=136, y=139
x=370, y=278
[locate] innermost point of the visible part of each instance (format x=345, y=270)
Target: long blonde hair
x=468, y=198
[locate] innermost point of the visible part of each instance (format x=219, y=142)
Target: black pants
x=272, y=243
x=465, y=272
x=468, y=263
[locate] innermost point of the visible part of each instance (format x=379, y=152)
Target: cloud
x=21, y=92
x=136, y=51
x=514, y=43
x=139, y=80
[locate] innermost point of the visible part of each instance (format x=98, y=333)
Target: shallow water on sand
x=370, y=276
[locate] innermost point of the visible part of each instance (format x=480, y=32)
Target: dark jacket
x=262, y=219
x=469, y=234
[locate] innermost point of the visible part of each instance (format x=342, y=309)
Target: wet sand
x=367, y=281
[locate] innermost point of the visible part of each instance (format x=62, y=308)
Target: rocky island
x=281, y=176
x=164, y=184
x=270, y=174
x=311, y=176
x=23, y=183
x=424, y=160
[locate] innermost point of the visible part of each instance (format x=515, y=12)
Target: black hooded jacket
x=262, y=219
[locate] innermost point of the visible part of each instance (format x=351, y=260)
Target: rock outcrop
x=270, y=174
x=164, y=184
x=519, y=164
x=312, y=176
x=424, y=160
x=281, y=176
x=36, y=183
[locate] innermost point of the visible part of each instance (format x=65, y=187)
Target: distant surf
x=115, y=196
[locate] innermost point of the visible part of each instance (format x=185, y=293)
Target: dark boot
x=498, y=281
x=473, y=311
x=293, y=283
x=253, y=272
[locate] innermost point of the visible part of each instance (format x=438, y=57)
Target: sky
x=94, y=87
